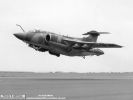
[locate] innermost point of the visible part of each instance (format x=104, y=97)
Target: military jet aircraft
x=57, y=44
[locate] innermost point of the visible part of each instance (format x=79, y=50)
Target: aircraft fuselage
x=55, y=44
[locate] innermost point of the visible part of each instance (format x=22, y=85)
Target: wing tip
x=119, y=46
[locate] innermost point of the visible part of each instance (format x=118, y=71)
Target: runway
x=70, y=89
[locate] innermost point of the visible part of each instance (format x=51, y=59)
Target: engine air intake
x=47, y=38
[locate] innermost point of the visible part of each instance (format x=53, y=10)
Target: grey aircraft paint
x=57, y=44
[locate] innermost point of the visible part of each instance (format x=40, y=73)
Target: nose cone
x=20, y=36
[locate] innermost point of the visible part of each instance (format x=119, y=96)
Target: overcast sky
x=66, y=17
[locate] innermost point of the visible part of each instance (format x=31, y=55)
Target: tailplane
x=93, y=35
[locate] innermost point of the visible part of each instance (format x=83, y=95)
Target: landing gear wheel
x=83, y=57
x=58, y=55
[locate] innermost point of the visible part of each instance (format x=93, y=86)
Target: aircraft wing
x=83, y=44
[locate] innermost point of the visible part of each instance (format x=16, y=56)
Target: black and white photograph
x=66, y=50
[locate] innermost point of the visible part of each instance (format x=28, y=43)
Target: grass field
x=72, y=89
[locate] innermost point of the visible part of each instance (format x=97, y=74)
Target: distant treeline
x=69, y=75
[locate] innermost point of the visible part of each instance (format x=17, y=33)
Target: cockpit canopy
x=35, y=31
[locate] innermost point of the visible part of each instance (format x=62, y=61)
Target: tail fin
x=93, y=35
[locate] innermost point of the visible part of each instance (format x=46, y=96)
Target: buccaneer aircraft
x=57, y=44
